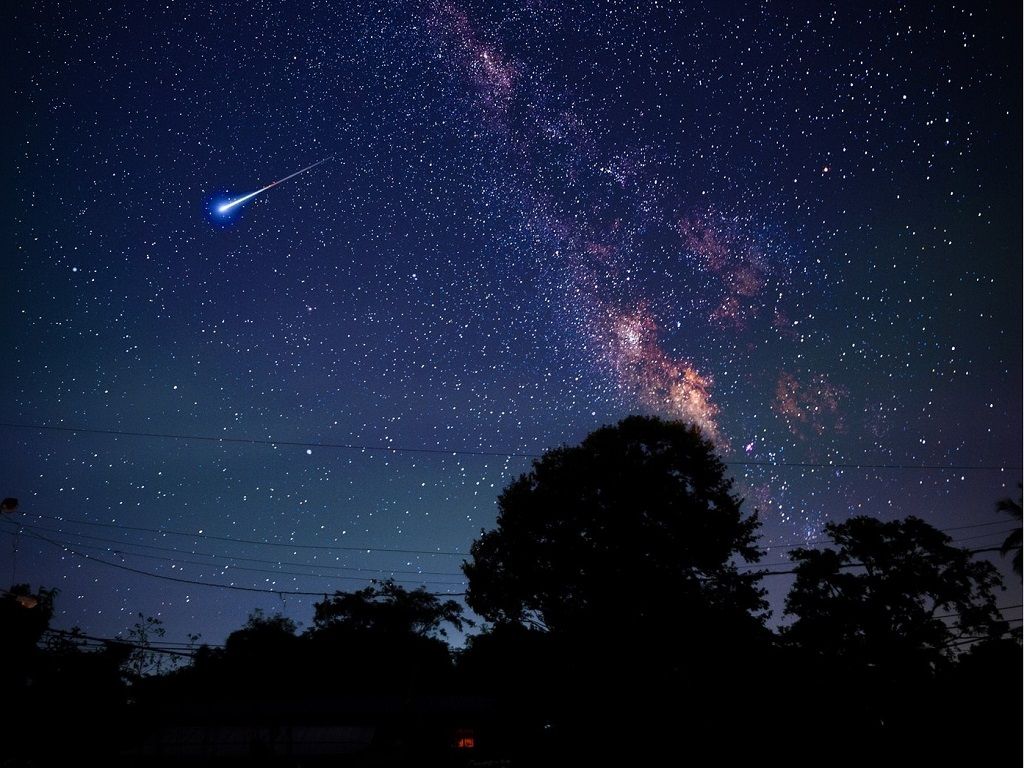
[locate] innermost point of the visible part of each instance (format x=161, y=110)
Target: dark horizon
x=618, y=629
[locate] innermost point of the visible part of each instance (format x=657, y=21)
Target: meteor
x=227, y=206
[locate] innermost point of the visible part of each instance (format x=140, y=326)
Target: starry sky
x=797, y=225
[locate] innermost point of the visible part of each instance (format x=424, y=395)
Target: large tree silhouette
x=620, y=554
x=636, y=526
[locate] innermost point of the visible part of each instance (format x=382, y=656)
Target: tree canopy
x=890, y=594
x=637, y=525
x=262, y=635
x=1013, y=541
x=389, y=608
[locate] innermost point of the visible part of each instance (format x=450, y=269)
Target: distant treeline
x=625, y=623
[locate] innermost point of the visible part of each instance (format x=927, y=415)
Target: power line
x=108, y=641
x=795, y=544
x=158, y=646
x=246, y=569
x=174, y=644
x=285, y=593
x=278, y=592
x=745, y=566
x=998, y=608
x=325, y=566
x=861, y=565
x=327, y=547
x=951, y=541
x=264, y=441
x=261, y=542
x=980, y=638
x=974, y=525
x=475, y=452
x=993, y=549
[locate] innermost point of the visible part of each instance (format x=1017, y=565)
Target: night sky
x=796, y=225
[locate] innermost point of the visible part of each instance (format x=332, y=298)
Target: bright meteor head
x=222, y=209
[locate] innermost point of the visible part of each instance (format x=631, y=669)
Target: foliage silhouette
x=891, y=594
x=57, y=694
x=1013, y=541
x=615, y=563
x=638, y=523
x=621, y=631
x=390, y=608
x=379, y=639
x=261, y=632
x=144, y=660
x=24, y=616
x=882, y=616
x=385, y=637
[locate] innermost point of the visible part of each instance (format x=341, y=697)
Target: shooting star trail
x=227, y=206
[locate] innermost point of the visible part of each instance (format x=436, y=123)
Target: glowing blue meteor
x=223, y=208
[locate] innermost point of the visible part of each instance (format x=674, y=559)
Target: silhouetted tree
x=881, y=617
x=24, y=615
x=1013, y=541
x=265, y=656
x=637, y=525
x=144, y=658
x=56, y=692
x=261, y=631
x=378, y=640
x=621, y=554
x=24, y=618
x=390, y=608
x=384, y=638
x=977, y=687
x=890, y=593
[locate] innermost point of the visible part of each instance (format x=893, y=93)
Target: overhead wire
x=180, y=580
x=347, y=548
x=796, y=544
x=158, y=646
x=122, y=543
x=72, y=550
x=247, y=569
x=861, y=565
x=261, y=542
x=231, y=439
x=999, y=532
x=433, y=573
